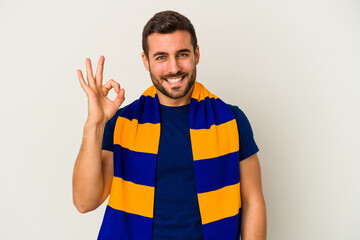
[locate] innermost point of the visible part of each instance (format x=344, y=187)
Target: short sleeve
x=108, y=137
x=247, y=143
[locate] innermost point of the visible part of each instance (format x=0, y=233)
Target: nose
x=173, y=66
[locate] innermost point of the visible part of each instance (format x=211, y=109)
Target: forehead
x=169, y=42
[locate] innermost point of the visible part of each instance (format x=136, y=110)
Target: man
x=168, y=177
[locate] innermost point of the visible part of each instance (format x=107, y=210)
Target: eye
x=160, y=58
x=183, y=54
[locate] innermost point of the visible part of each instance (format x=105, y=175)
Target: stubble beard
x=160, y=88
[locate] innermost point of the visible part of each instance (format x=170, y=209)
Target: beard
x=176, y=94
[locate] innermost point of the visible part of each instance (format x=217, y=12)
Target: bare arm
x=93, y=168
x=253, y=222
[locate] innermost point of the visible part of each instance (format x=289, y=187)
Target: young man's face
x=172, y=65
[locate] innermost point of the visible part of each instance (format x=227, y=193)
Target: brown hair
x=167, y=22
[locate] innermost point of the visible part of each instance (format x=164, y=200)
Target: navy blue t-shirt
x=176, y=208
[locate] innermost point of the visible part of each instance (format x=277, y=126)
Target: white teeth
x=174, y=80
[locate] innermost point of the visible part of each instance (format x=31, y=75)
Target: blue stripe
x=145, y=110
x=223, y=229
x=214, y=173
x=125, y=226
x=136, y=167
x=207, y=112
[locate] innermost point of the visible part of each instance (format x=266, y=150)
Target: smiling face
x=172, y=64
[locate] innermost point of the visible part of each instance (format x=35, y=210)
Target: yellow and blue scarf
x=215, y=148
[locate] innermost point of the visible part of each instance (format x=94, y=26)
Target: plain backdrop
x=291, y=66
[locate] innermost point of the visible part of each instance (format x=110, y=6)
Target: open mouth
x=174, y=79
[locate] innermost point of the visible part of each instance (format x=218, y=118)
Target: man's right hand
x=100, y=107
x=93, y=170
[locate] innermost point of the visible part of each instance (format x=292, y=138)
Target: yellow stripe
x=216, y=141
x=200, y=92
x=137, y=137
x=132, y=198
x=222, y=203
x=151, y=91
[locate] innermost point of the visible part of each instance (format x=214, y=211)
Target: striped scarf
x=215, y=148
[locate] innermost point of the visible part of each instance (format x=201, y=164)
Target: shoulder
x=238, y=113
x=246, y=136
x=242, y=121
x=124, y=109
x=111, y=123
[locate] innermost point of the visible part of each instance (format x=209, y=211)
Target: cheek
x=188, y=66
x=158, y=70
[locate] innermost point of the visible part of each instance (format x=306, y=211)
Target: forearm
x=88, y=179
x=253, y=221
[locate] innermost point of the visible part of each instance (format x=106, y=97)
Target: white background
x=291, y=66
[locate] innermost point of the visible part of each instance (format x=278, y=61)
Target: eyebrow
x=159, y=53
x=184, y=50
x=179, y=51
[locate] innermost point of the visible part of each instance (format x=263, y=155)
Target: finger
x=99, y=71
x=119, y=98
x=83, y=84
x=89, y=73
x=109, y=85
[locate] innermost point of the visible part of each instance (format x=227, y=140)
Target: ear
x=197, y=54
x=145, y=61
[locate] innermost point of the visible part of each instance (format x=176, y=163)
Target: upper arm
x=108, y=172
x=247, y=143
x=107, y=155
x=250, y=181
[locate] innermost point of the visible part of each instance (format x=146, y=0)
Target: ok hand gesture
x=100, y=107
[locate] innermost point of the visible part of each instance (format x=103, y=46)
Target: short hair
x=167, y=22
